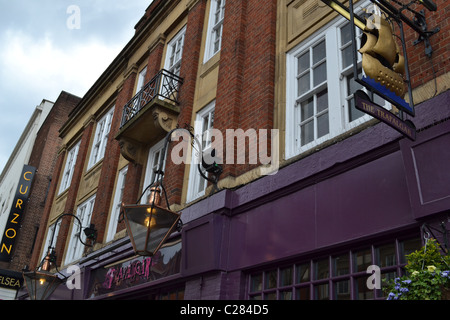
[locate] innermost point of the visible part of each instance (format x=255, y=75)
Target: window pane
x=342, y=290
x=302, y=293
x=341, y=265
x=385, y=278
x=303, y=84
x=352, y=85
x=347, y=57
x=321, y=292
x=286, y=295
x=386, y=255
x=307, y=132
x=322, y=100
x=320, y=73
x=286, y=277
x=322, y=125
x=256, y=283
x=303, y=63
x=362, y=260
x=271, y=279
x=353, y=112
x=257, y=297
x=409, y=246
x=307, y=109
x=379, y=100
x=319, y=52
x=362, y=292
x=303, y=273
x=270, y=296
x=321, y=269
x=346, y=35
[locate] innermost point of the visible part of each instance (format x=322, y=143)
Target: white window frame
x=175, y=52
x=117, y=204
x=141, y=79
x=336, y=84
x=215, y=27
x=346, y=72
x=101, y=138
x=69, y=167
x=155, y=156
x=75, y=247
x=197, y=184
x=51, y=230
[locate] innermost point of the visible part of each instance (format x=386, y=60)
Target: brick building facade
x=42, y=160
x=236, y=65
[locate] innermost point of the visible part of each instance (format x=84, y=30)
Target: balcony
x=149, y=115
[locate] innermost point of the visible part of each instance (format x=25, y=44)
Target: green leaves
x=427, y=274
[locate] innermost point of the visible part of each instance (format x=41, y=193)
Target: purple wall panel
x=369, y=199
x=428, y=163
x=276, y=229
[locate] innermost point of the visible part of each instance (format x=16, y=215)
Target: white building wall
x=20, y=156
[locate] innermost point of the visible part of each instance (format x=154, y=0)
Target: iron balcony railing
x=165, y=85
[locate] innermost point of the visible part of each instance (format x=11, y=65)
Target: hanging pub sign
x=17, y=210
x=383, y=59
x=363, y=103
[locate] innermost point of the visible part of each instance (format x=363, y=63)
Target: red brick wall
x=245, y=93
x=49, y=165
x=173, y=180
x=154, y=61
x=72, y=192
x=110, y=162
x=421, y=66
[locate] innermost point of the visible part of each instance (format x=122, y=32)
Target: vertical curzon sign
x=17, y=210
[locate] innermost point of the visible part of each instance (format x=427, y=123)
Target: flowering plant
x=427, y=277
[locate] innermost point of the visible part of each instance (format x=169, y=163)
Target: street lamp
x=41, y=283
x=149, y=225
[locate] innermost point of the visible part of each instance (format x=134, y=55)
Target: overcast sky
x=47, y=46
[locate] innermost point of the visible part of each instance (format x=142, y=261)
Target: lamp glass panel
x=41, y=285
x=147, y=229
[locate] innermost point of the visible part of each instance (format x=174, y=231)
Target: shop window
x=174, y=294
x=336, y=277
x=386, y=255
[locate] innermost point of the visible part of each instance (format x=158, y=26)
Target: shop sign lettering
x=15, y=216
x=364, y=104
x=136, y=270
x=9, y=282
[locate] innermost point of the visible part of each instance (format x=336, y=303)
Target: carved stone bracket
x=146, y=128
x=165, y=120
x=130, y=149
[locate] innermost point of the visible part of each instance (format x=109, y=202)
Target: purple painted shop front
x=368, y=191
x=372, y=187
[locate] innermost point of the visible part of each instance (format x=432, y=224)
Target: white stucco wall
x=20, y=156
